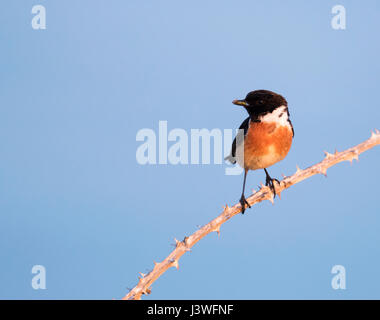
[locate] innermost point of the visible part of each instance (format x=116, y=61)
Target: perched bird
x=265, y=136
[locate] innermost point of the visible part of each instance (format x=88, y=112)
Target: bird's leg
x=243, y=200
x=269, y=182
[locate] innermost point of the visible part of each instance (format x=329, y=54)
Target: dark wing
x=244, y=126
x=291, y=125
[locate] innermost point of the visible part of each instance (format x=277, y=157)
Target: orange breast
x=265, y=144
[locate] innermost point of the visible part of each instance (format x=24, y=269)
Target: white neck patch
x=279, y=116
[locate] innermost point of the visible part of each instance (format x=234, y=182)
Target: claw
x=243, y=201
x=269, y=183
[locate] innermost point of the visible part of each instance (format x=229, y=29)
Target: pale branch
x=265, y=193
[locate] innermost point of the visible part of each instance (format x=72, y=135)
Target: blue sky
x=74, y=199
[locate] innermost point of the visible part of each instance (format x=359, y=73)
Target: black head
x=260, y=102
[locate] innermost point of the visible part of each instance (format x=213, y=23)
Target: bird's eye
x=261, y=101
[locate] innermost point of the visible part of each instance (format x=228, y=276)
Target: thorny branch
x=181, y=247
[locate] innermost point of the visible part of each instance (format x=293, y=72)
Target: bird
x=264, y=138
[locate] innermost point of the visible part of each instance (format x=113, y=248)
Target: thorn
x=278, y=192
x=298, y=169
x=177, y=243
x=271, y=197
x=142, y=274
x=253, y=191
x=355, y=156
x=226, y=207
x=323, y=171
x=336, y=152
x=217, y=230
x=327, y=155
x=175, y=263
x=284, y=176
x=147, y=291
x=374, y=134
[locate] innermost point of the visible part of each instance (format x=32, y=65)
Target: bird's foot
x=243, y=202
x=269, y=182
